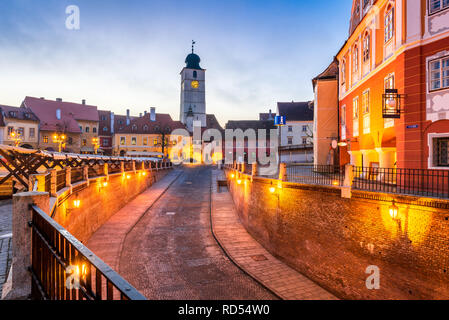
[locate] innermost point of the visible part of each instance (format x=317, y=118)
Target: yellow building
x=19, y=127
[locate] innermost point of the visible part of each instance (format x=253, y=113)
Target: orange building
x=394, y=85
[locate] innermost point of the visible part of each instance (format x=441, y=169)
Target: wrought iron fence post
x=106, y=170
x=19, y=283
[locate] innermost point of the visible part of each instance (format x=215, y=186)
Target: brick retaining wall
x=333, y=240
x=99, y=203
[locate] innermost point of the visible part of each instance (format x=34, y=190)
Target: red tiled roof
x=45, y=110
x=143, y=125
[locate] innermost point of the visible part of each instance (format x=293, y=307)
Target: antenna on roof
x=193, y=45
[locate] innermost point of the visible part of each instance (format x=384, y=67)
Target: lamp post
x=16, y=136
x=60, y=140
x=96, y=143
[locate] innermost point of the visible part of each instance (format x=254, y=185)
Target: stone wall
x=333, y=240
x=98, y=202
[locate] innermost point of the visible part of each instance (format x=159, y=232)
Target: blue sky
x=128, y=54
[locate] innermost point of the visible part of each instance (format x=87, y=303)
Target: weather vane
x=193, y=45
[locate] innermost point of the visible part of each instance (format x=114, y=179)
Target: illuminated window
x=155, y=142
x=122, y=141
x=439, y=74
x=145, y=141
x=365, y=101
x=438, y=5
x=389, y=84
x=389, y=25
x=10, y=130
x=84, y=142
x=133, y=141
x=45, y=139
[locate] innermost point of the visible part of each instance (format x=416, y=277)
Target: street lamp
x=60, y=140
x=17, y=137
x=96, y=143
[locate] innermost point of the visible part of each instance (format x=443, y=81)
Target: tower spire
x=193, y=45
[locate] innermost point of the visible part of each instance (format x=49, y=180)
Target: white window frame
x=389, y=25
x=430, y=138
x=441, y=6
x=442, y=70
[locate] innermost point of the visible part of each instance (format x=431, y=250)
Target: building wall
x=86, y=137
x=72, y=147
x=333, y=240
x=26, y=125
x=297, y=134
x=325, y=121
x=98, y=204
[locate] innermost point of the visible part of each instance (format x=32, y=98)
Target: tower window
x=195, y=74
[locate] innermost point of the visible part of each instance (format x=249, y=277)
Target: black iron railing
x=420, y=182
x=316, y=174
x=64, y=269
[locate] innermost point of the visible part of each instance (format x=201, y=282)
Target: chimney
x=145, y=113
x=83, y=101
x=59, y=99
x=153, y=114
x=140, y=115
x=128, y=120
x=42, y=98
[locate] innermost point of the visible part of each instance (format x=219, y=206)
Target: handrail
x=54, y=249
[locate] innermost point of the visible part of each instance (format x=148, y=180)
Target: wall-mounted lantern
x=391, y=104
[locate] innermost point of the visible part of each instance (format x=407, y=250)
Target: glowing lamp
x=105, y=184
x=232, y=176
x=391, y=104
x=272, y=189
x=239, y=181
x=394, y=211
x=144, y=174
x=76, y=203
x=342, y=144
x=335, y=183
x=128, y=177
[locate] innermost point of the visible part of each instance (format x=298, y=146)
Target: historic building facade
x=394, y=85
x=18, y=125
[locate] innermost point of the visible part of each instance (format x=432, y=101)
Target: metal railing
x=316, y=174
x=420, y=182
x=64, y=269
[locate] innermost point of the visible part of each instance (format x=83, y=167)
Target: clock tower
x=193, y=92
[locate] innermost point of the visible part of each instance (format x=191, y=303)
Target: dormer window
x=27, y=115
x=195, y=74
x=145, y=128
x=134, y=127
x=13, y=114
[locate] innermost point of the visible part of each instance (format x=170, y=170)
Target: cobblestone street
x=5, y=240
x=171, y=253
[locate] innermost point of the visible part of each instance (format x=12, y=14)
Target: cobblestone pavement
x=171, y=253
x=247, y=253
x=5, y=240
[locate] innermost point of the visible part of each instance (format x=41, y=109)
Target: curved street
x=171, y=253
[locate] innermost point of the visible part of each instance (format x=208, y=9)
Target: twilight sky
x=128, y=54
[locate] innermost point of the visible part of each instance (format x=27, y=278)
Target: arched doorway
x=122, y=153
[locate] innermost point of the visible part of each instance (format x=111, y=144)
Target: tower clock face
x=195, y=84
